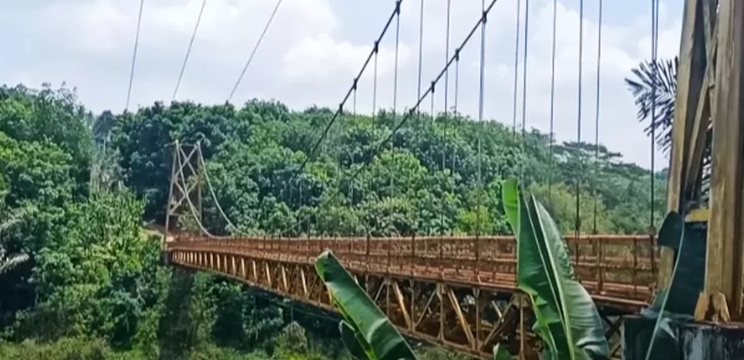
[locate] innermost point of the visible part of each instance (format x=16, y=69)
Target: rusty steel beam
x=616, y=270
x=433, y=289
x=466, y=318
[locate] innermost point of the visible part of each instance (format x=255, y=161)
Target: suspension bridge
x=460, y=291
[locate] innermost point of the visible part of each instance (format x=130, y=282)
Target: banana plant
x=676, y=302
x=365, y=330
x=566, y=318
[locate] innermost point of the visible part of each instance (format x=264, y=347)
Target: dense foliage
x=78, y=187
x=428, y=183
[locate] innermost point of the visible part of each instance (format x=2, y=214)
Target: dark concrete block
x=695, y=341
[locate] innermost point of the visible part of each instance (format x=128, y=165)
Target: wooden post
x=723, y=281
x=690, y=75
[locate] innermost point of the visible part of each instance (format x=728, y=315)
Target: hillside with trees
x=81, y=278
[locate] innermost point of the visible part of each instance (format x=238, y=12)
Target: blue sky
x=315, y=47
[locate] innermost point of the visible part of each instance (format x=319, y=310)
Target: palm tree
x=8, y=262
x=656, y=81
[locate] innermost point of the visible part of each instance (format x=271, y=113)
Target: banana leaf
x=352, y=342
x=688, y=241
x=376, y=336
x=500, y=353
x=548, y=324
x=673, y=234
x=567, y=320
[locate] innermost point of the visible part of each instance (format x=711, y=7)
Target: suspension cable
x=351, y=158
x=414, y=110
x=433, y=122
x=339, y=111
x=188, y=50
x=374, y=113
x=420, y=73
x=192, y=208
x=524, y=83
x=211, y=188
x=134, y=53
x=421, y=48
x=255, y=49
x=481, y=91
x=446, y=57
x=596, y=120
x=516, y=71
x=446, y=114
x=395, y=111
x=655, y=67
x=552, y=100
x=457, y=80
x=455, y=109
x=577, y=222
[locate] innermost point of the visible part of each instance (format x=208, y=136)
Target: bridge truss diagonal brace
x=465, y=317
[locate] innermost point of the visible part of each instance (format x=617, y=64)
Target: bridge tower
x=707, y=145
x=185, y=194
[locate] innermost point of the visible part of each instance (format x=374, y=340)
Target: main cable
x=255, y=49
x=134, y=54
x=413, y=111
x=353, y=88
x=188, y=50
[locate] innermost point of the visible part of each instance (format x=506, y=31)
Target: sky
x=314, y=48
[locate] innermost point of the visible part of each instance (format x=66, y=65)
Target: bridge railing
x=612, y=266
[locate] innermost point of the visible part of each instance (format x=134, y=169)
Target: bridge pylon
x=186, y=189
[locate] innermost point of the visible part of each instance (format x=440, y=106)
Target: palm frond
x=10, y=263
x=663, y=76
x=656, y=82
x=13, y=219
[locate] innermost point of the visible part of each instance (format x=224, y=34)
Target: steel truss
x=466, y=318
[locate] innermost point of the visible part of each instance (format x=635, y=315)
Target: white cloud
x=316, y=47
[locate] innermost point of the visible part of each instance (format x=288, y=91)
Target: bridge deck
x=617, y=270
x=459, y=292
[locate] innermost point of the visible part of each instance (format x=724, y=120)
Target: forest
x=81, y=275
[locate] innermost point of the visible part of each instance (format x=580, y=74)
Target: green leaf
x=353, y=342
x=671, y=234
x=500, y=353
x=376, y=335
x=510, y=195
x=530, y=276
x=567, y=320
